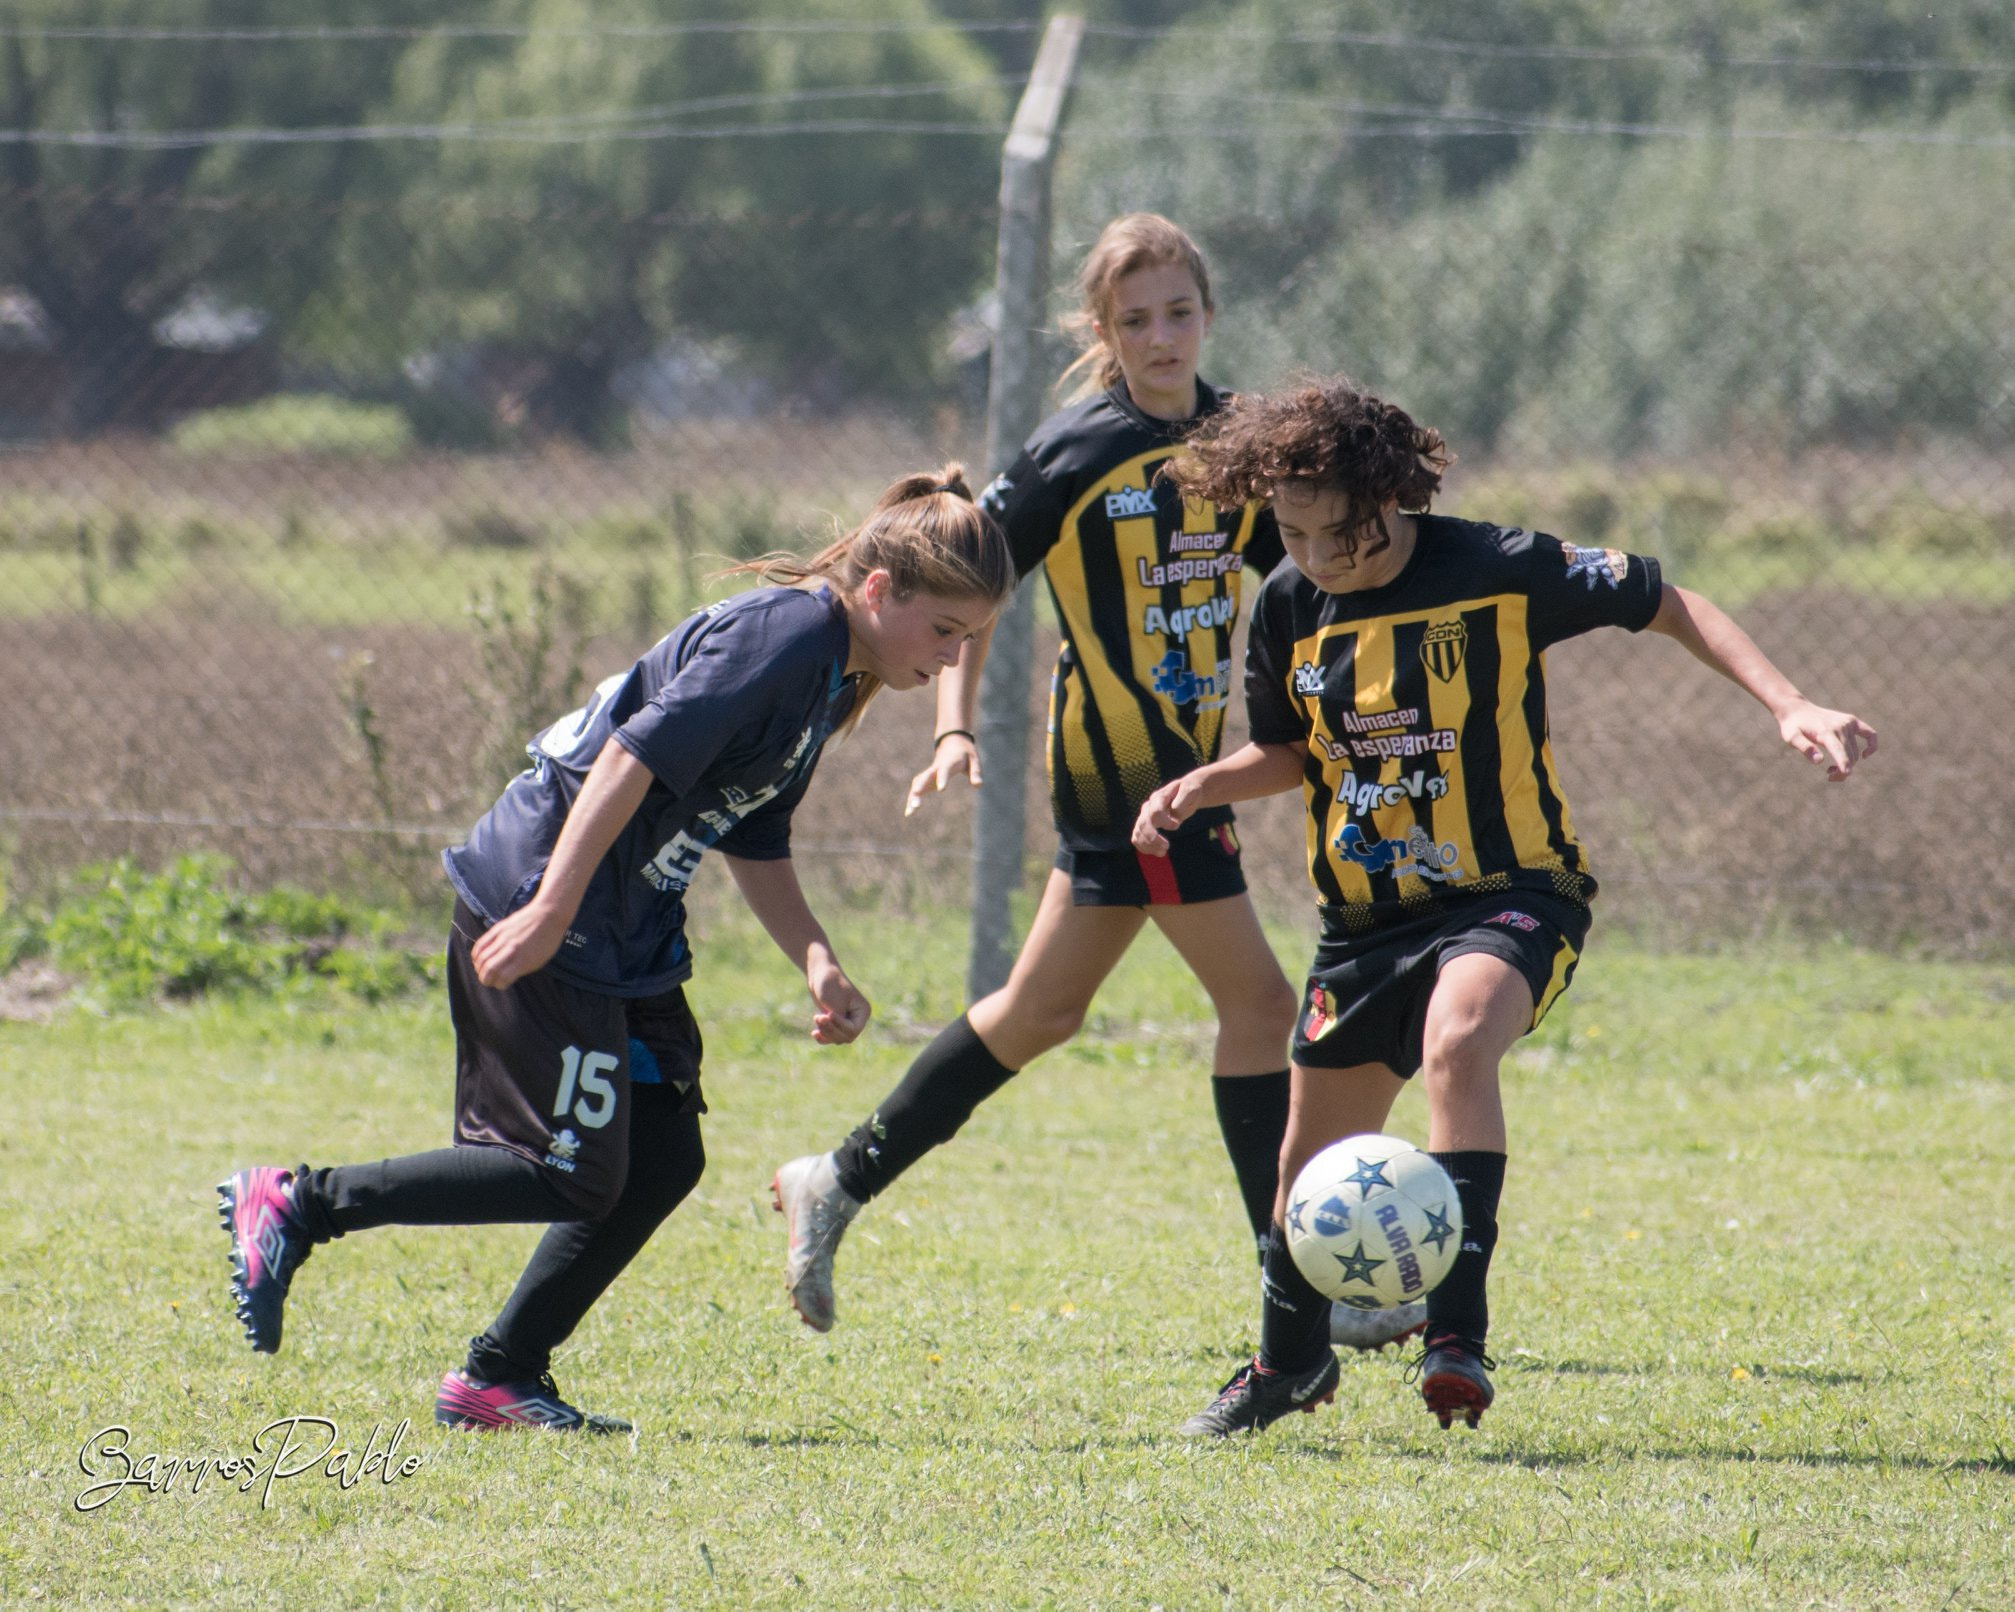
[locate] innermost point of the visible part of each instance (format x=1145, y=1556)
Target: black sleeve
x=1575, y=590
x=1270, y=711
x=1029, y=509
x=1263, y=550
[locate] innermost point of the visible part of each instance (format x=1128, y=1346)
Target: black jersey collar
x=1208, y=401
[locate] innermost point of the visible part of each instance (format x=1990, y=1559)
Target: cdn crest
x=1441, y=650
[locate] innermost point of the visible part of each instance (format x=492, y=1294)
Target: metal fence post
x=1014, y=409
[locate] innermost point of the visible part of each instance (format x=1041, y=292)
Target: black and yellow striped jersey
x=1147, y=592
x=1422, y=705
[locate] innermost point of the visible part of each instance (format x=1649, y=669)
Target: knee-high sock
x=1252, y=1115
x=451, y=1186
x=1460, y=1304
x=1294, y=1318
x=575, y=1263
x=949, y=1079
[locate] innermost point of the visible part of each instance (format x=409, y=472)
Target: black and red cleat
x=1454, y=1379
x=1257, y=1397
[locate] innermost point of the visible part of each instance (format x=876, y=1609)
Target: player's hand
x=520, y=944
x=843, y=1012
x=956, y=757
x=1834, y=740
x=1166, y=810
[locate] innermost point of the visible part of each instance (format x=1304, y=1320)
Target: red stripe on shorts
x=1159, y=871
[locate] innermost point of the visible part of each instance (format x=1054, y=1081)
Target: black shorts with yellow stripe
x=1366, y=996
x=1200, y=866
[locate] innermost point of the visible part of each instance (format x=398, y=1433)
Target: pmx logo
x=1128, y=503
x=1417, y=854
x=1308, y=679
x=1173, y=677
x=1596, y=565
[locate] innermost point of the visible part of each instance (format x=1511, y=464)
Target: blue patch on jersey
x=644, y=1070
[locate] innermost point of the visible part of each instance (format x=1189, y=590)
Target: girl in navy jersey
x=1147, y=589
x=577, y=1059
x=1395, y=673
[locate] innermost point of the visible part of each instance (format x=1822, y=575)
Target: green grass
x=1751, y=1306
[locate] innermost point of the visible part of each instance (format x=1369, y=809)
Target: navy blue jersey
x=729, y=712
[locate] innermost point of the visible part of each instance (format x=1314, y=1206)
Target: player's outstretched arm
x=1835, y=740
x=1247, y=773
x=957, y=756
x=525, y=941
x=772, y=891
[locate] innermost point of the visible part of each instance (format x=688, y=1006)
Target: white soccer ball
x=1372, y=1222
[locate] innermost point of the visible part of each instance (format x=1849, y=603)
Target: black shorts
x=1366, y=997
x=544, y=1067
x=1199, y=867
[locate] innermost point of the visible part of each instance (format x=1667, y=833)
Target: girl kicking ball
x=1147, y=589
x=1396, y=674
x=577, y=1095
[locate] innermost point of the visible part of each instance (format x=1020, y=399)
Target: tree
x=107, y=237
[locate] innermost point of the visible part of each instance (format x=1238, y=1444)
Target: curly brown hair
x=1326, y=432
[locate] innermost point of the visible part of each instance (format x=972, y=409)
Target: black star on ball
x=1359, y=1266
x=1438, y=1230
x=1368, y=1174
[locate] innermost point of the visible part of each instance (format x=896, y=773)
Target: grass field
x=1751, y=1306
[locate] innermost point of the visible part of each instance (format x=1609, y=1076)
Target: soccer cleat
x=267, y=1247
x=817, y=1210
x=1453, y=1378
x=1258, y=1396
x=486, y=1407
x=1372, y=1330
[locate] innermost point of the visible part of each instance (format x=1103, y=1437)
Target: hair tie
x=947, y=487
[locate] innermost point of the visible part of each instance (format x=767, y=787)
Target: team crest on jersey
x=1321, y=1014
x=1441, y=650
x=1596, y=565
x=1308, y=678
x=563, y=1151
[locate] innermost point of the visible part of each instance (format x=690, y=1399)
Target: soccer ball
x=1372, y=1222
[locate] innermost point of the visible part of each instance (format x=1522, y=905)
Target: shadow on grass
x=1765, y=1373
x=1817, y=1460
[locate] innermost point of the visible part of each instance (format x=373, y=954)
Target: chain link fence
x=298, y=588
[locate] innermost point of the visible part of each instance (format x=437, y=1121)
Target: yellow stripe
x=1448, y=707
x=1131, y=748
x=1563, y=963
x=1531, y=836
x=1352, y=880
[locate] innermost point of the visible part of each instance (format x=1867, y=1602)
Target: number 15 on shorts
x=586, y=1073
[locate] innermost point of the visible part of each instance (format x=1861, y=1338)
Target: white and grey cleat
x=817, y=1210
x=1372, y=1330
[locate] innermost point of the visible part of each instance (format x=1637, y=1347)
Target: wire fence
x=315, y=503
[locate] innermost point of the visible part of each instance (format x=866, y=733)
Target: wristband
x=951, y=733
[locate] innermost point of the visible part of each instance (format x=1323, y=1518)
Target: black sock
x=1252, y=1114
x=452, y=1186
x=1460, y=1304
x=1293, y=1317
x=949, y=1079
x=576, y=1261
